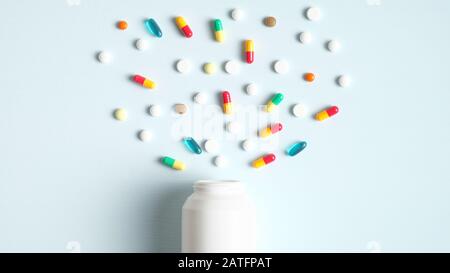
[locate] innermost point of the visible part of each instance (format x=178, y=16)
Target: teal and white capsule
x=273, y=103
x=192, y=145
x=296, y=148
x=218, y=31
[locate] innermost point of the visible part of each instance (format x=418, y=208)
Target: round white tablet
x=220, y=161
x=333, y=45
x=233, y=127
x=344, y=80
x=305, y=37
x=145, y=135
x=155, y=110
x=142, y=44
x=248, y=145
x=201, y=98
x=183, y=66
x=299, y=110
x=211, y=146
x=232, y=67
x=236, y=14
x=104, y=57
x=281, y=67
x=313, y=14
x=251, y=89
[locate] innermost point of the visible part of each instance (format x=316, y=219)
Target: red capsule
x=263, y=161
x=249, y=51
x=227, y=106
x=183, y=26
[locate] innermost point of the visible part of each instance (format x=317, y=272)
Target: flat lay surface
x=374, y=177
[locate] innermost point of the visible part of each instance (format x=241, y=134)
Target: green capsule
x=218, y=25
x=173, y=163
x=273, y=103
x=277, y=98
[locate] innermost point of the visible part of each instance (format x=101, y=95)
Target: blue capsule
x=153, y=27
x=192, y=145
x=296, y=148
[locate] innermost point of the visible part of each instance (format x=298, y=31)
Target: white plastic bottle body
x=218, y=217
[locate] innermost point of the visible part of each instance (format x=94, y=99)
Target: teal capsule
x=296, y=148
x=153, y=27
x=192, y=145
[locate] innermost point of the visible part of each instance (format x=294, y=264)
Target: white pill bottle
x=218, y=217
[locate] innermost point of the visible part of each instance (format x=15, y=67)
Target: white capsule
x=221, y=161
x=145, y=135
x=333, y=45
x=201, y=98
x=183, y=66
x=155, y=110
x=142, y=44
x=248, y=145
x=104, y=57
x=232, y=67
x=251, y=89
x=313, y=14
x=211, y=146
x=300, y=110
x=233, y=127
x=305, y=37
x=236, y=14
x=344, y=80
x=281, y=67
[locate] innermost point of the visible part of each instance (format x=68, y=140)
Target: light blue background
x=379, y=171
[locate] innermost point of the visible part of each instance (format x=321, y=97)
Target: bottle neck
x=219, y=187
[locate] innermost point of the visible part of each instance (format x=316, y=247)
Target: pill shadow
x=304, y=12
x=212, y=28
x=243, y=53
x=291, y=110
x=272, y=66
x=162, y=223
x=130, y=77
x=219, y=99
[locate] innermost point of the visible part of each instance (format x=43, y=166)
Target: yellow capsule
x=322, y=115
x=264, y=160
x=270, y=107
x=265, y=132
x=180, y=22
x=219, y=36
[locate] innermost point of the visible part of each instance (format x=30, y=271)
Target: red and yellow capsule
x=249, y=51
x=270, y=130
x=147, y=83
x=183, y=26
x=263, y=161
x=327, y=113
x=227, y=106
